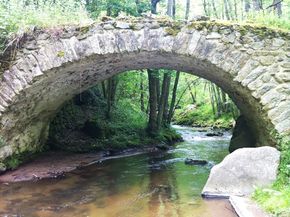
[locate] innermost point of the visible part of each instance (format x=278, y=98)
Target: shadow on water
x=147, y=185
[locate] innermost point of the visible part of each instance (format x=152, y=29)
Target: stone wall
x=50, y=66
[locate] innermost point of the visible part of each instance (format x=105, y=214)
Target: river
x=148, y=185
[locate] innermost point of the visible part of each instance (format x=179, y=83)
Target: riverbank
x=55, y=164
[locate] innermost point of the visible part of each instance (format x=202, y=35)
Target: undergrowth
x=276, y=198
x=202, y=115
x=18, y=16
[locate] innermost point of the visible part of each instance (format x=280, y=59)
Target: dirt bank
x=56, y=164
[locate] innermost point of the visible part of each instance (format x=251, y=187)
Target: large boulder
x=241, y=171
x=242, y=135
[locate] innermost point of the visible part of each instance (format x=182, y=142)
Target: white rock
x=242, y=171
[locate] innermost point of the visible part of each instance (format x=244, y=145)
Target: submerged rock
x=189, y=161
x=242, y=171
x=214, y=134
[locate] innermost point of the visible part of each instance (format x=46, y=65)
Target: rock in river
x=241, y=171
x=195, y=162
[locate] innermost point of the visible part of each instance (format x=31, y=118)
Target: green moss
x=171, y=31
x=257, y=29
x=2, y=142
x=13, y=161
x=60, y=53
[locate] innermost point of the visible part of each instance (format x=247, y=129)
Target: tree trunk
x=111, y=94
x=142, y=105
x=247, y=5
x=257, y=5
x=152, y=124
x=236, y=9
x=154, y=6
x=162, y=101
x=226, y=10
x=214, y=8
x=205, y=7
x=173, y=9
x=277, y=7
x=173, y=99
x=169, y=8
x=167, y=90
x=104, y=89
x=187, y=9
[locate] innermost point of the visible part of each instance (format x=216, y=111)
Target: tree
x=277, y=7
x=154, y=6
x=187, y=9
x=163, y=102
x=173, y=99
x=142, y=104
x=247, y=5
x=152, y=123
x=257, y=5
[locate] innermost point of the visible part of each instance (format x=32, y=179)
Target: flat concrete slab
x=245, y=207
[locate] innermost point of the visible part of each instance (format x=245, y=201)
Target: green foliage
x=82, y=125
x=18, y=16
x=12, y=162
x=202, y=115
x=276, y=199
x=269, y=20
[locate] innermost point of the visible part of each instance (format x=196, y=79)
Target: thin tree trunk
x=104, y=89
x=277, y=7
x=230, y=8
x=169, y=8
x=154, y=6
x=205, y=7
x=166, y=109
x=173, y=9
x=142, y=105
x=152, y=124
x=214, y=8
x=212, y=100
x=111, y=94
x=236, y=9
x=157, y=85
x=190, y=92
x=187, y=9
x=257, y=5
x=226, y=10
x=173, y=99
x=162, y=101
x=247, y=6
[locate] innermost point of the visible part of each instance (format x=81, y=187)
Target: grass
x=18, y=16
x=276, y=198
x=268, y=20
x=202, y=115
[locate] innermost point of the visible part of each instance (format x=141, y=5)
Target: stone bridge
x=50, y=66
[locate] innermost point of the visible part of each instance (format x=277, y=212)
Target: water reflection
x=148, y=185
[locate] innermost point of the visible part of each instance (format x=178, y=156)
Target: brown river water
x=147, y=185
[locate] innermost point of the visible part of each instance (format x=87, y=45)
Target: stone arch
x=51, y=66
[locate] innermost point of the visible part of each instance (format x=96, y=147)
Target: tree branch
x=275, y=4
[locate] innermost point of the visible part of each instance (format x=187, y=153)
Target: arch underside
x=25, y=121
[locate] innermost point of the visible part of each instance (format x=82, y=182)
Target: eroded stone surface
x=242, y=171
x=51, y=66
